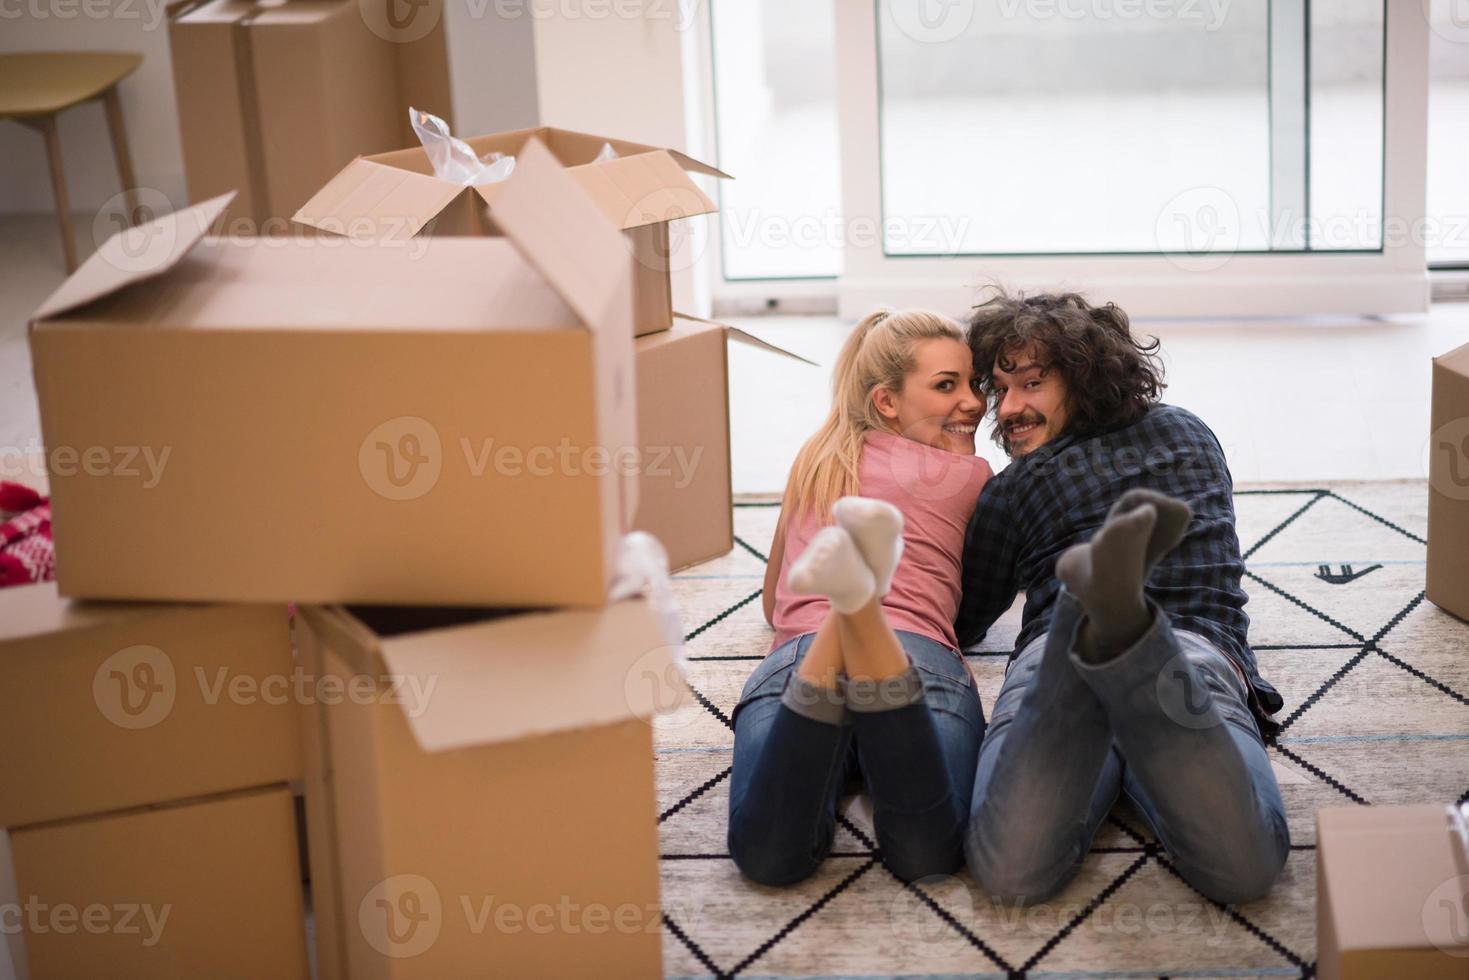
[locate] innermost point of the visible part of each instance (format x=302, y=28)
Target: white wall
x=86, y=149
x=627, y=68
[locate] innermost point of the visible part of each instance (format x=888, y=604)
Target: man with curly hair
x=1132, y=672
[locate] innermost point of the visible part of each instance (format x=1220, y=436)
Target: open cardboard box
x=1448, y=485
x=487, y=807
x=684, y=496
x=1391, y=886
x=433, y=422
x=275, y=97
x=642, y=189
x=206, y=887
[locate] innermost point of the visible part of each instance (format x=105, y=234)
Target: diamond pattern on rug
x=1376, y=685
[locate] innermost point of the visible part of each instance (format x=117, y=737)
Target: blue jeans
x=1166, y=722
x=791, y=767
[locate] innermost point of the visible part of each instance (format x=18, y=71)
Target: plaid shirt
x=1059, y=495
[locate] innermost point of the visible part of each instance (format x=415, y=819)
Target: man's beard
x=1027, y=419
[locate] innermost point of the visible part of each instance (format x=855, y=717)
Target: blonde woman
x=864, y=679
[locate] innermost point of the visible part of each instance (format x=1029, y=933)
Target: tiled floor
x=1296, y=400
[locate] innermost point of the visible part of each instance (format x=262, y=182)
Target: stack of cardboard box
x=274, y=97
x=681, y=361
x=328, y=423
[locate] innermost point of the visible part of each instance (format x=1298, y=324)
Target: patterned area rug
x=1376, y=684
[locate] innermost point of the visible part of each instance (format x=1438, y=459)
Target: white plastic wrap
x=451, y=157
x=642, y=569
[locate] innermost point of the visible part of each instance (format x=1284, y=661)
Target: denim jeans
x=917, y=761
x=1166, y=722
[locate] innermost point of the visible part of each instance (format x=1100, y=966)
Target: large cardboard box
x=1391, y=886
x=641, y=189
x=486, y=805
x=258, y=420
x=200, y=888
x=1448, y=485
x=274, y=97
x=106, y=706
x=684, y=496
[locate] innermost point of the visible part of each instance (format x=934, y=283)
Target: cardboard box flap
x=744, y=337
x=135, y=254
x=574, y=148
x=369, y=200
x=1456, y=360
x=564, y=235
x=518, y=675
x=642, y=190
x=689, y=163
x=632, y=191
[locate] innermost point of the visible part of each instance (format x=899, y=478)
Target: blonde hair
x=879, y=352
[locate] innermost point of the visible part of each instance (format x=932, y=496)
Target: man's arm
x=990, y=578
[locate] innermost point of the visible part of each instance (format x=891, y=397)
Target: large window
x=776, y=126
x=1447, y=225
x=1048, y=127
x=1188, y=158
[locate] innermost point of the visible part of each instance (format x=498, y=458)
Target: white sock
x=832, y=566
x=876, y=527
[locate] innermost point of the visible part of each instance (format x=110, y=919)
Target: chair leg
x=47, y=127
x=120, y=151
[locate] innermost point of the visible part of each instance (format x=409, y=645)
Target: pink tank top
x=936, y=491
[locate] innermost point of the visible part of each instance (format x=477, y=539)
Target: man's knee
x=1003, y=878
x=767, y=862
x=1247, y=882
x=1239, y=872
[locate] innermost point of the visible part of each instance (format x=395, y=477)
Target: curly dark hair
x=1111, y=378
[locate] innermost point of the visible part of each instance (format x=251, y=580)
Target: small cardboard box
x=1448, y=485
x=1391, y=886
x=641, y=190
x=106, y=706
x=274, y=98
x=321, y=420
x=200, y=888
x=486, y=805
x=684, y=496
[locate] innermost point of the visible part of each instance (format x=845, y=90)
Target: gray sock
x=1107, y=573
